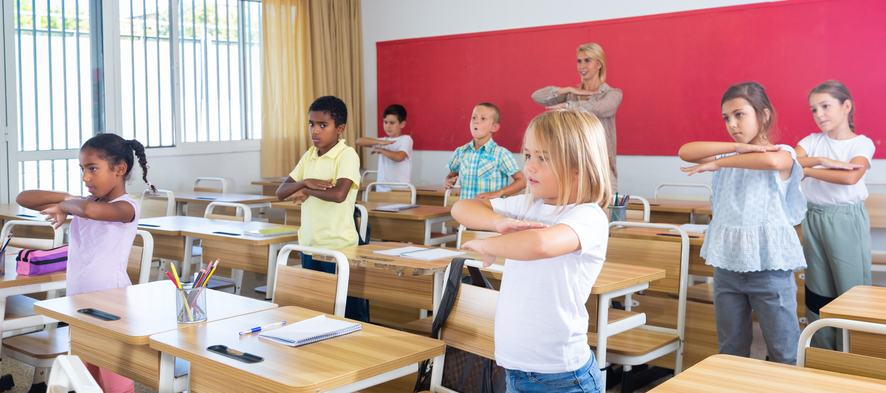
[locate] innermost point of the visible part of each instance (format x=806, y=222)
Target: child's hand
x=298, y=196
x=489, y=195
x=577, y=91
x=384, y=142
x=478, y=246
x=509, y=225
x=450, y=182
x=834, y=164
x=376, y=150
x=55, y=216
x=709, y=166
x=317, y=184
x=748, y=148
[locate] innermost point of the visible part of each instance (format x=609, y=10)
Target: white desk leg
x=602, y=325
x=186, y=262
x=427, y=233
x=167, y=373
x=273, y=250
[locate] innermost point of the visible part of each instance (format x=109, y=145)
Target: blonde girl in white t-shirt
x=554, y=240
x=836, y=231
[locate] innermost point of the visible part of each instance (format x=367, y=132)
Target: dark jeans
x=355, y=308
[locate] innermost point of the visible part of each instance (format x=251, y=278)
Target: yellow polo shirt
x=325, y=224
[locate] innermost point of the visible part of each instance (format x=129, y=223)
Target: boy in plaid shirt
x=482, y=165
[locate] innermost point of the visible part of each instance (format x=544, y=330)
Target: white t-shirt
x=393, y=171
x=541, y=321
x=823, y=193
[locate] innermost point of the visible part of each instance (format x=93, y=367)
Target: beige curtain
x=287, y=87
x=310, y=49
x=337, y=49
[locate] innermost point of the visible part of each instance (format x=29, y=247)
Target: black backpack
x=463, y=371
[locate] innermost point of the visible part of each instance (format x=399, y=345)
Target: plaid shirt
x=482, y=170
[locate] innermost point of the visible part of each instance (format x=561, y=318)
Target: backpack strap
x=447, y=301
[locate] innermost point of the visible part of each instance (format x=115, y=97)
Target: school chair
x=242, y=213
x=640, y=345
x=156, y=204
x=70, y=374
x=367, y=173
x=468, y=327
x=629, y=214
x=841, y=362
x=707, y=197
x=219, y=184
x=40, y=349
x=448, y=201
x=393, y=196
x=318, y=291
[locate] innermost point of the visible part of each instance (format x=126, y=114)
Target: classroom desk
x=408, y=226
x=223, y=239
x=876, y=207
x=121, y=346
x=12, y=211
x=12, y=284
x=343, y=364
x=269, y=187
x=861, y=303
x=183, y=198
x=726, y=373
x=671, y=211
x=433, y=195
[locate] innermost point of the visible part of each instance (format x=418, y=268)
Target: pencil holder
x=190, y=305
x=617, y=213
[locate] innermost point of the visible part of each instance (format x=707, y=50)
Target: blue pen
x=3, y=249
x=260, y=328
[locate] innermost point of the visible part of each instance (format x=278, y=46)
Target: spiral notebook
x=310, y=331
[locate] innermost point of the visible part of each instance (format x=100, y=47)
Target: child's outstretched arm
x=370, y=142
x=94, y=210
x=397, y=156
x=290, y=186
x=770, y=161
x=699, y=152
x=518, y=184
x=39, y=200
x=478, y=214
x=837, y=172
x=527, y=245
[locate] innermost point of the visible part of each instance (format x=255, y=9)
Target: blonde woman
x=592, y=95
x=554, y=238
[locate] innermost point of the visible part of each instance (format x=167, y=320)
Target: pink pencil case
x=30, y=262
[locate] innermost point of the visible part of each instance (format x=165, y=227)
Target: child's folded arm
x=101, y=211
x=838, y=172
x=533, y=244
x=337, y=193
x=393, y=155
x=39, y=200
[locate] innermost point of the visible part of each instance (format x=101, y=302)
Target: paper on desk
x=431, y=254
x=395, y=252
x=395, y=207
x=693, y=228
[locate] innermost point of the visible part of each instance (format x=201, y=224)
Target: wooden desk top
x=12, y=279
x=320, y=366
x=876, y=207
x=272, y=182
x=207, y=227
x=725, y=373
x=695, y=239
x=615, y=276
x=193, y=196
x=861, y=303
x=670, y=205
x=435, y=190
x=422, y=212
x=144, y=309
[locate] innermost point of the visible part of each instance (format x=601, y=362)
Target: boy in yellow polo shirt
x=326, y=180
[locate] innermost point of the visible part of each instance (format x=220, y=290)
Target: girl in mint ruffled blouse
x=751, y=242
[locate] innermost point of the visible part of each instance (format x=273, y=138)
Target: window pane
x=146, y=72
x=52, y=81
x=59, y=175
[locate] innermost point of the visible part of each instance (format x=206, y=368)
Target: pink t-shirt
x=98, y=252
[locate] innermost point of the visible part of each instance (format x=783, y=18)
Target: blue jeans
x=586, y=379
x=772, y=296
x=355, y=308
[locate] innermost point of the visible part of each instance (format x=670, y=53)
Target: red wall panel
x=672, y=68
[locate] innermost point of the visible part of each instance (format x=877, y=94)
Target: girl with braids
x=103, y=227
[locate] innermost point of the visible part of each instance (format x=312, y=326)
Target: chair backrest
x=211, y=184
x=448, y=198
x=23, y=239
x=364, y=221
x=159, y=204
x=68, y=373
x=139, y=266
x=841, y=362
x=706, y=187
x=366, y=173
x=396, y=196
x=466, y=235
x=243, y=212
x=319, y=291
x=634, y=215
x=469, y=326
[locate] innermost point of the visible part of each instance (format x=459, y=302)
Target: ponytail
x=142, y=160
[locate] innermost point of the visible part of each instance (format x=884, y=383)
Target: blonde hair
x=576, y=143
x=595, y=52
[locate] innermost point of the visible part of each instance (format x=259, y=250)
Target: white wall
x=385, y=20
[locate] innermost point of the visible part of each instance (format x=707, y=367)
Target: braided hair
x=114, y=149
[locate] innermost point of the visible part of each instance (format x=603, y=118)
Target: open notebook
x=310, y=331
x=395, y=207
x=272, y=231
